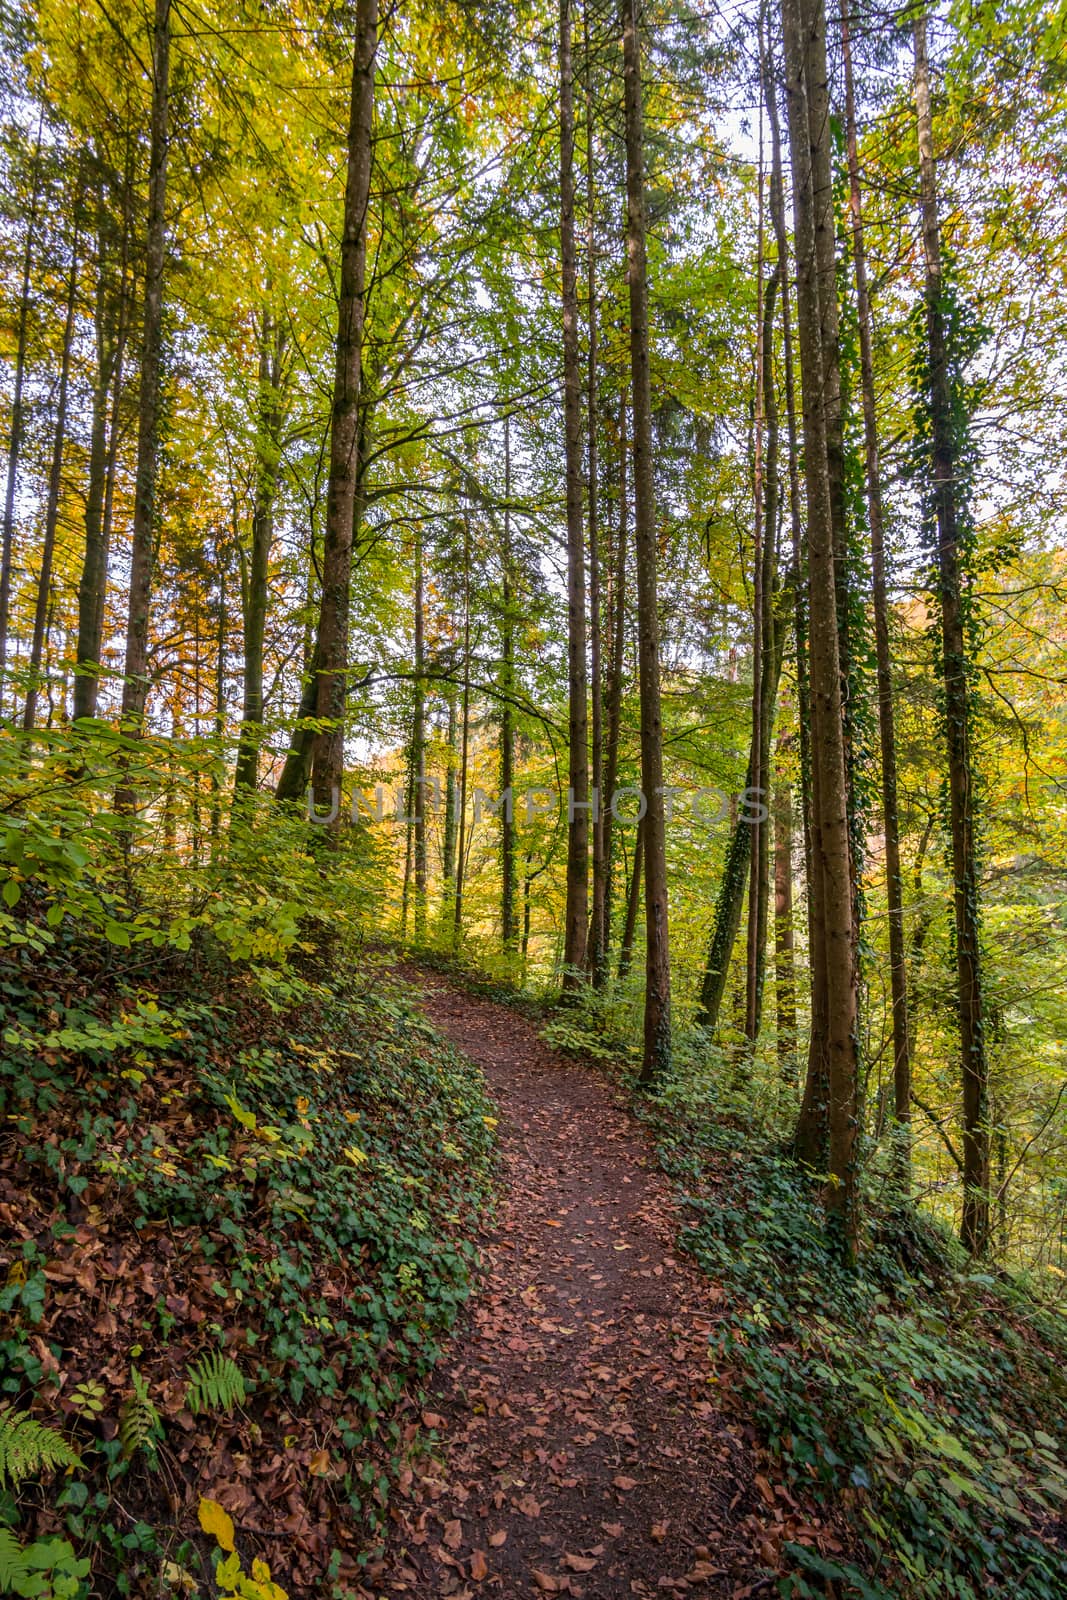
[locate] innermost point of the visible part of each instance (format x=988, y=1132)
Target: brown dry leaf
x=319, y=1464
x=702, y=1570
x=544, y=1581
x=658, y=1532
x=579, y=1563
x=621, y=1481
x=431, y=1419
x=498, y=1538
x=765, y=1489
x=529, y=1506
x=479, y=1566
x=453, y=1534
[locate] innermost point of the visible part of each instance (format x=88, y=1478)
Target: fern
x=13, y=1563
x=28, y=1448
x=139, y=1421
x=215, y=1383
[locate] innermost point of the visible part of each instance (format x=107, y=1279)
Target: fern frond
x=139, y=1420
x=13, y=1563
x=28, y=1448
x=215, y=1383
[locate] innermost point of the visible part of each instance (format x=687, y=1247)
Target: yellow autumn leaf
x=490, y=1122
x=217, y=1522
x=355, y=1155
x=302, y=1103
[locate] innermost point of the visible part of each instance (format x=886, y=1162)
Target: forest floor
x=584, y=1448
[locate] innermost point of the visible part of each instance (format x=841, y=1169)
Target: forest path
x=583, y=1448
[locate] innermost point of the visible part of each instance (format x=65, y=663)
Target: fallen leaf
x=529, y=1506
x=545, y=1582
x=579, y=1563
x=453, y=1534
x=498, y=1538
x=624, y=1483
x=479, y=1566
x=216, y=1522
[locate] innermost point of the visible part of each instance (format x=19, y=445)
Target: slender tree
x=14, y=448
x=330, y=655
x=55, y=486
x=508, y=928
x=804, y=30
x=576, y=914
x=256, y=565
x=142, y=556
x=955, y=668
x=886, y=724
x=657, y=1041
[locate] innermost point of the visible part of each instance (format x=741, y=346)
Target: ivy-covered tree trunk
x=143, y=543
x=633, y=902
x=804, y=30
x=596, y=953
x=886, y=725
x=464, y=737
x=657, y=1040
x=254, y=573
x=55, y=485
x=576, y=912
x=955, y=668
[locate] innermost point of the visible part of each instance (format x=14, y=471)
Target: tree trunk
x=103, y=454
x=614, y=706
x=448, y=839
x=14, y=448
x=633, y=902
x=142, y=555
x=418, y=751
x=254, y=614
x=831, y=834
x=657, y=1043
x=785, y=976
x=464, y=736
x=576, y=913
x=974, y=1230
x=508, y=928
x=597, y=944
x=330, y=660
x=55, y=485
x=887, y=733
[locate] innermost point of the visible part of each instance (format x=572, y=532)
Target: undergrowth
x=233, y=1239
x=923, y=1395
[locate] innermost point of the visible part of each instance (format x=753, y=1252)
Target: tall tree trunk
x=633, y=902
x=785, y=976
x=974, y=1230
x=464, y=735
x=221, y=630
x=254, y=596
x=597, y=944
x=418, y=749
x=142, y=555
x=448, y=838
x=14, y=448
x=657, y=1043
x=508, y=927
x=772, y=640
x=55, y=486
x=614, y=706
x=799, y=565
x=805, y=26
x=576, y=912
x=330, y=659
x=103, y=453
x=887, y=732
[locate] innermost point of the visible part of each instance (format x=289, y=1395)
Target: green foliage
x=45, y=1570
x=215, y=1383
x=924, y=1395
x=29, y=1448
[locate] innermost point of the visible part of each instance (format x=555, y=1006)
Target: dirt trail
x=584, y=1451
